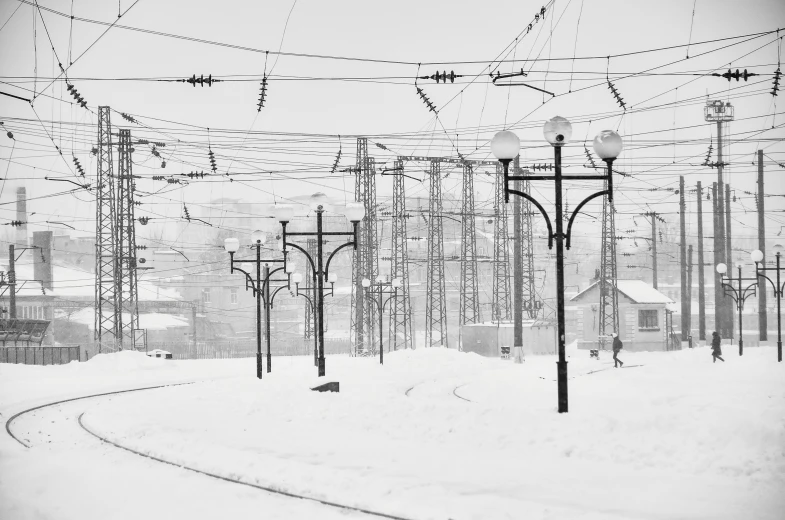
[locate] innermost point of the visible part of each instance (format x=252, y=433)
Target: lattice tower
x=310, y=324
x=372, y=256
x=106, y=298
x=528, y=291
x=435, y=292
x=357, y=312
x=502, y=309
x=400, y=314
x=609, y=296
x=126, y=289
x=469, y=294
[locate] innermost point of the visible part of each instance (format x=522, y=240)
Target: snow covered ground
x=433, y=433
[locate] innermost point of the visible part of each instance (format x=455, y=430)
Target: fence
x=243, y=349
x=39, y=355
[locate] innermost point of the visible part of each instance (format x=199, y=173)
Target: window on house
x=206, y=295
x=647, y=319
x=233, y=294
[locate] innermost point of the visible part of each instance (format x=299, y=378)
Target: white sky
x=388, y=111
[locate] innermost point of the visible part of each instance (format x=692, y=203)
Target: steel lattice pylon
x=400, y=314
x=469, y=294
x=372, y=258
x=501, y=258
x=529, y=294
x=609, y=296
x=310, y=326
x=366, y=259
x=435, y=292
x=106, y=303
x=126, y=289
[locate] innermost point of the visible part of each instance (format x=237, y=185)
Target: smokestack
x=21, y=215
x=42, y=258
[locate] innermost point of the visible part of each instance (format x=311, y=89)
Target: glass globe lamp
x=757, y=256
x=608, y=145
x=231, y=245
x=355, y=211
x=257, y=237
x=505, y=145
x=366, y=283
x=722, y=268
x=284, y=212
x=557, y=131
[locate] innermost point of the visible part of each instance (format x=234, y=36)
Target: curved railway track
x=267, y=489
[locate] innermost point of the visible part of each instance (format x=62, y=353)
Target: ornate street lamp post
x=779, y=288
x=557, y=131
x=382, y=287
x=738, y=295
x=297, y=278
x=354, y=213
x=260, y=286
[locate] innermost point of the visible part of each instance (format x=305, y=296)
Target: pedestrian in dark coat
x=716, y=349
x=617, y=346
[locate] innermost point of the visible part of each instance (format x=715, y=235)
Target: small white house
x=644, y=317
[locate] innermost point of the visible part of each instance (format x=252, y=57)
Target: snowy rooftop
x=636, y=290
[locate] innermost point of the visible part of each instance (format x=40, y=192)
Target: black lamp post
x=260, y=286
x=779, y=288
x=297, y=278
x=382, y=287
x=355, y=213
x=557, y=131
x=738, y=295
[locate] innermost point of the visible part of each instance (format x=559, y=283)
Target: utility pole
x=685, y=290
x=654, y=217
x=763, y=320
x=720, y=112
x=125, y=244
x=728, y=257
x=689, y=291
x=719, y=250
x=12, y=281
x=701, y=281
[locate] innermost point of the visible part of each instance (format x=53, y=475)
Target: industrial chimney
x=42, y=258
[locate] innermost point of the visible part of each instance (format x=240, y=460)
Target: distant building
x=645, y=317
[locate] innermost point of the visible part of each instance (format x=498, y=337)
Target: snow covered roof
x=149, y=320
x=636, y=290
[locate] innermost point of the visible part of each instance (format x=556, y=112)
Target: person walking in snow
x=617, y=346
x=716, y=349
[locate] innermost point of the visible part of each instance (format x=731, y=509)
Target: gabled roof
x=636, y=290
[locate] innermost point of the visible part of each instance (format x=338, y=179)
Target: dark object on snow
x=328, y=387
x=617, y=346
x=716, y=348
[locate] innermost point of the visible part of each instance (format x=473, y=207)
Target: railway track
x=352, y=511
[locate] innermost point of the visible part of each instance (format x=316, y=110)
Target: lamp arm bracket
x=769, y=279
x=329, y=259
x=578, y=209
x=248, y=277
x=272, y=297
x=303, y=251
x=542, y=211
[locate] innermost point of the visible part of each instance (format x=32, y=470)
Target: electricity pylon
x=469, y=293
x=435, y=291
x=106, y=272
x=400, y=314
x=502, y=310
x=609, y=296
x=125, y=243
